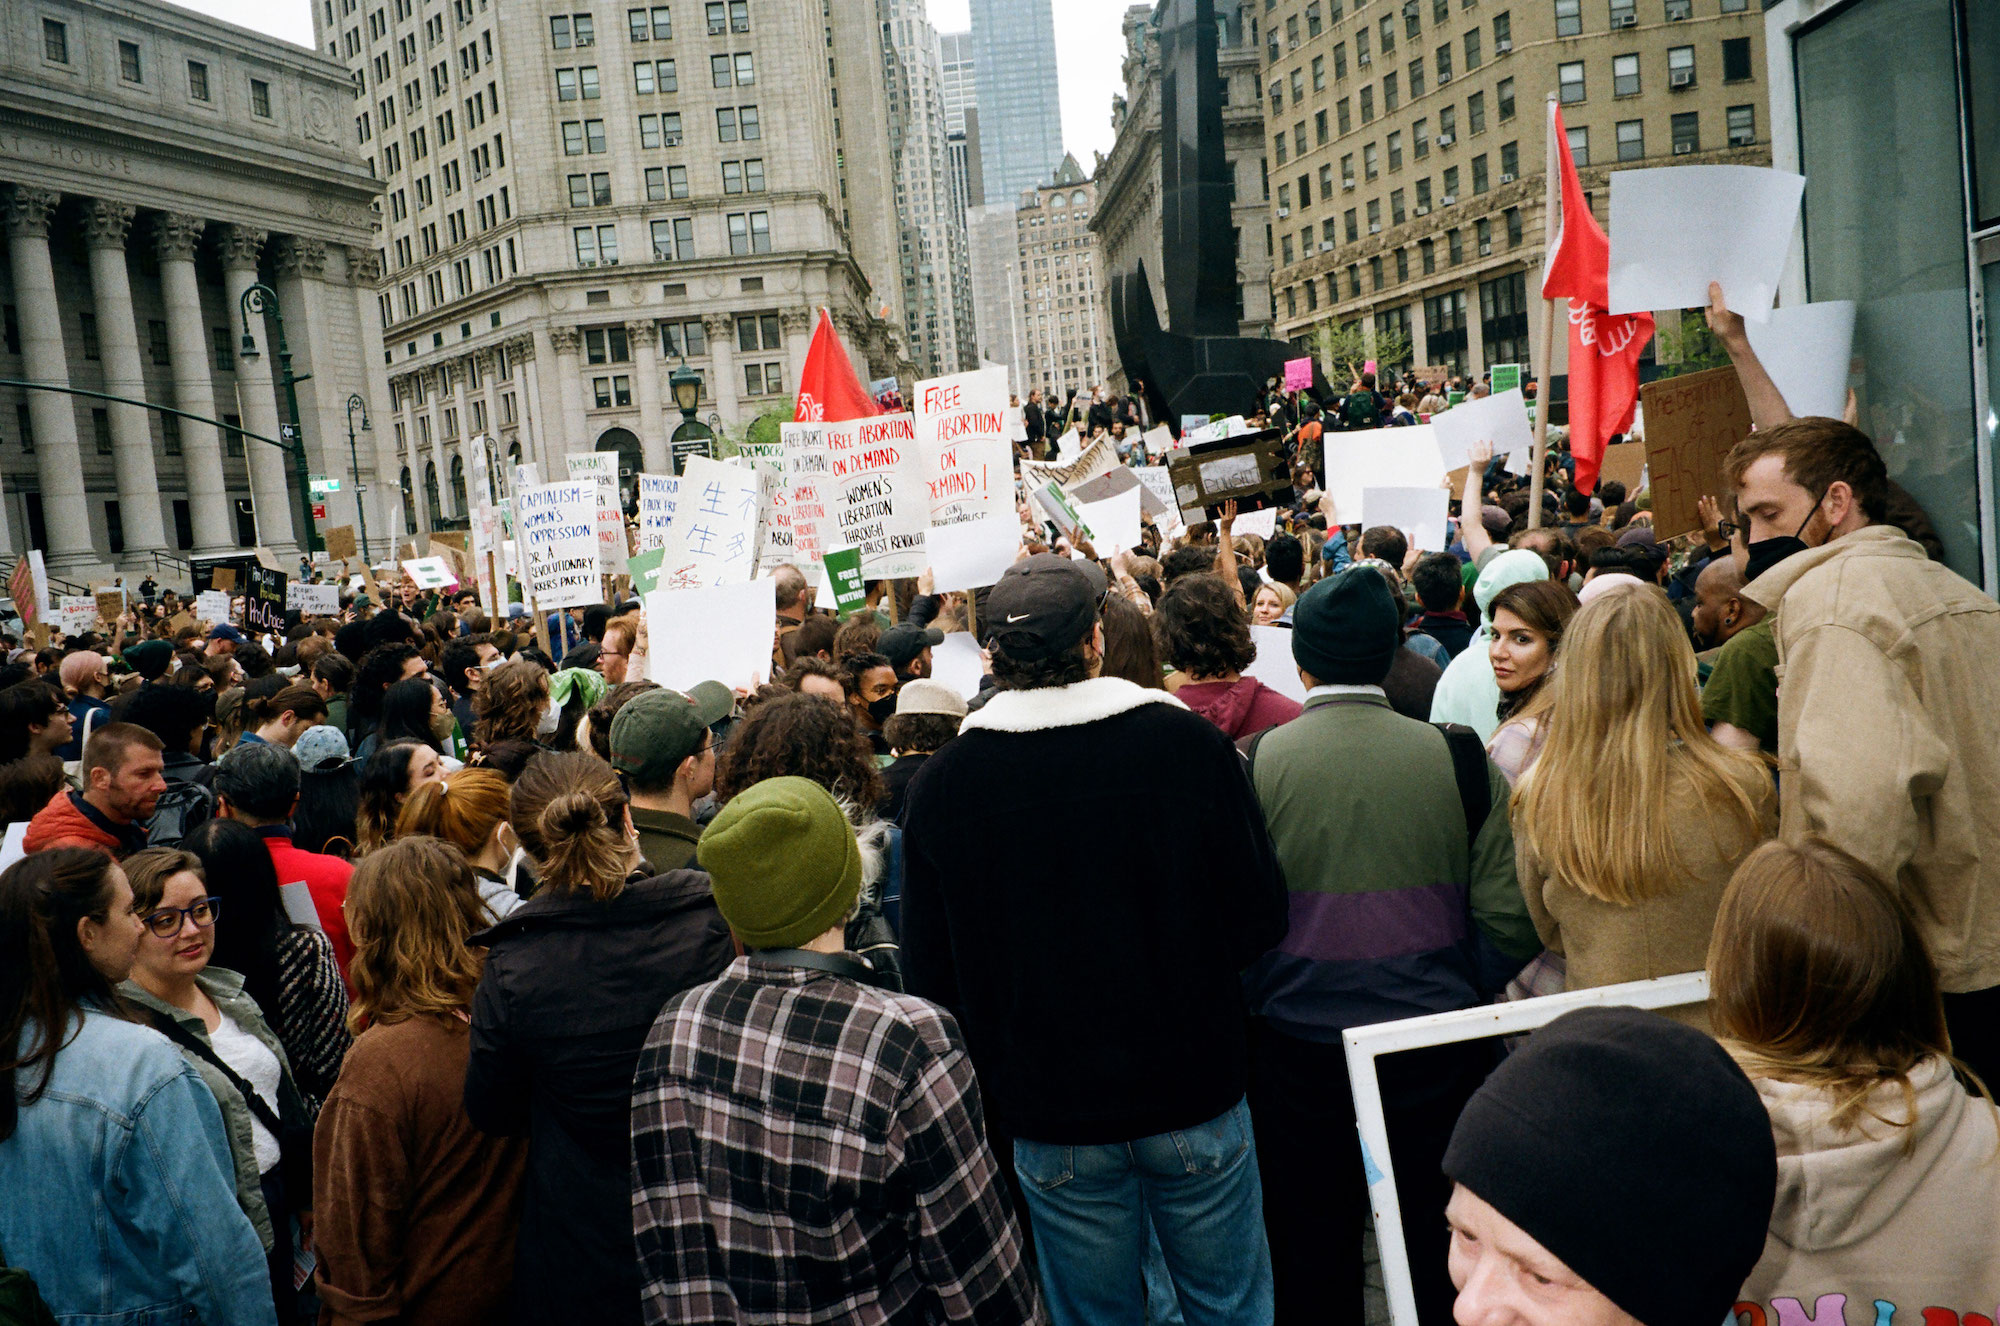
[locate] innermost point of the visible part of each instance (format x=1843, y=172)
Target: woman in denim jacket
x=121, y=1201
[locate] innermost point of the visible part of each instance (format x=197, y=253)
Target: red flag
x=1603, y=349
x=828, y=389
x=21, y=589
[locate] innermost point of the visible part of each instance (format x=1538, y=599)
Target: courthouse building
x=154, y=164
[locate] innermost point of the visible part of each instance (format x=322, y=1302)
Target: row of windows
x=1471, y=43
x=1627, y=80
x=1447, y=125
x=131, y=68
x=1740, y=123
x=666, y=182
x=1305, y=296
x=654, y=23
x=1625, y=13
x=672, y=239
x=732, y=124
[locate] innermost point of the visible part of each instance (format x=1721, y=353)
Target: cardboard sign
x=1625, y=463
x=110, y=603
x=878, y=502
x=713, y=540
x=264, y=600
x=806, y=476
x=223, y=578
x=968, y=461
x=657, y=493
x=843, y=574
x=429, y=573
x=313, y=600
x=212, y=606
x=1691, y=423
x=1251, y=470
x=1298, y=374
x=340, y=542
x=557, y=525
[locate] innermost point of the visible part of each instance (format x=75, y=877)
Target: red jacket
x=65, y=822
x=325, y=878
x=1241, y=708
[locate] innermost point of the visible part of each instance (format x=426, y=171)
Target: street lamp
x=260, y=298
x=354, y=402
x=685, y=383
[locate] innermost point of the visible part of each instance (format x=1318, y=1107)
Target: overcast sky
x=1089, y=52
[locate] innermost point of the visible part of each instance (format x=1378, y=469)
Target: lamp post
x=354, y=402
x=260, y=298
x=685, y=383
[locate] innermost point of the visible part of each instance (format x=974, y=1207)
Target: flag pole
x=1544, y=388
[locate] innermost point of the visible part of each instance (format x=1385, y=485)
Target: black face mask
x=883, y=709
x=1767, y=553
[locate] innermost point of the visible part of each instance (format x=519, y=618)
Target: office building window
x=1475, y=113
x=1503, y=318
x=1513, y=219
x=1472, y=56
x=1569, y=82
x=260, y=98
x=1736, y=60
x=1479, y=181
x=1624, y=13
x=129, y=68
x=749, y=233
x=1396, y=150
x=55, y=41
x=100, y=424
x=1742, y=125
x=1631, y=139
x=197, y=80
x=1569, y=18
x=1579, y=146
x=1687, y=132
x=606, y=345
x=1680, y=66
x=1625, y=75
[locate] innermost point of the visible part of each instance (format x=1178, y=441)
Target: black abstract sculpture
x=1202, y=365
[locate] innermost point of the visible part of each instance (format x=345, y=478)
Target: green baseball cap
x=655, y=731
x=783, y=864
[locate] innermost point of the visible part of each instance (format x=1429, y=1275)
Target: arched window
x=513, y=453
x=409, y=504
x=458, y=485
x=1077, y=199
x=431, y=493
x=1057, y=200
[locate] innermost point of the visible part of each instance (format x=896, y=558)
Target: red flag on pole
x=828, y=389
x=1603, y=349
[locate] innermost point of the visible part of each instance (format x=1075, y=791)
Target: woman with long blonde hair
x=1888, y=1167
x=416, y=1208
x=1627, y=826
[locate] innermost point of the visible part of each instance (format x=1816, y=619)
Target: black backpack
x=180, y=810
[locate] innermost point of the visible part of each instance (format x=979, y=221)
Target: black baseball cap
x=1043, y=605
x=904, y=641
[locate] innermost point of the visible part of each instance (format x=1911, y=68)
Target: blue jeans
x=1090, y=1205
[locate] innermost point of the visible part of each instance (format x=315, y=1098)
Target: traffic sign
x=319, y=511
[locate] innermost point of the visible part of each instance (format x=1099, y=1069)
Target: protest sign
x=1273, y=664
x=1378, y=458
x=1113, y=523
x=1419, y=512
x=264, y=600
x=775, y=544
x=313, y=600
x=1505, y=377
x=646, y=570
x=713, y=538
x=968, y=463
x=714, y=633
x=657, y=493
x=598, y=467
x=110, y=603
x=429, y=572
x=556, y=527
x=1298, y=374
x=1160, y=484
x=1807, y=349
x=601, y=468
x=1501, y=419
x=1252, y=470
x=1691, y=423
x=1158, y=441
x=972, y=553
x=843, y=576
x=223, y=578
x=1061, y=511
x=806, y=476
x=340, y=543
x=28, y=587
x=212, y=606
x=527, y=475
x=957, y=663
x=1625, y=463
x=1262, y=522
x=878, y=502
x=76, y=613
x=1676, y=228
x=1100, y=458
x=1016, y=424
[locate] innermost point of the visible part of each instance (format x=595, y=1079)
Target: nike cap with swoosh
x=1042, y=606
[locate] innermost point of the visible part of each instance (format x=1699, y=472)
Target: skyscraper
x=1020, y=115
x=961, y=81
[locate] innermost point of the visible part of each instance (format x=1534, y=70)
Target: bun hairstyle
x=568, y=810
x=299, y=701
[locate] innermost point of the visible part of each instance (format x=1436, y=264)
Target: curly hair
x=805, y=736
x=1201, y=629
x=509, y=706
x=1064, y=669
x=601, y=714
x=857, y=635
x=410, y=909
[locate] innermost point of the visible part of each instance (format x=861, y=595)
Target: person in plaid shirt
x=807, y=1147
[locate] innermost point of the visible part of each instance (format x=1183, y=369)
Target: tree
x=1345, y=348
x=1686, y=345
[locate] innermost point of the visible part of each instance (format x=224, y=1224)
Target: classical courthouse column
x=300, y=264
x=431, y=434
x=106, y=225
x=722, y=387
x=58, y=457
x=194, y=391
x=569, y=393
x=798, y=325
x=653, y=431
x=241, y=246
x=527, y=400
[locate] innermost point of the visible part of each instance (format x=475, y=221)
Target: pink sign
x=1368, y=367
x=1298, y=374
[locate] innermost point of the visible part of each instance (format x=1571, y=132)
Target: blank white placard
x=1273, y=665
x=957, y=663
x=1807, y=348
x=972, y=553
x=1113, y=522
x=1262, y=522
x=1421, y=513
x=1501, y=419
x=1378, y=458
x=1676, y=228
x=721, y=633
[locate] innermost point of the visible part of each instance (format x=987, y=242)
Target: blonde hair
x=1286, y=598
x=1624, y=726
x=411, y=906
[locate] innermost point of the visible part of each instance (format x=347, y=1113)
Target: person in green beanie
x=866, y=1095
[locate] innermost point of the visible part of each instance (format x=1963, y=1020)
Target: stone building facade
x=154, y=164
x=1062, y=342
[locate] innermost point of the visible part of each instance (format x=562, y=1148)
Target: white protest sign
x=598, y=467
x=775, y=543
x=1378, y=458
x=958, y=663
x=76, y=613
x=527, y=475
x=962, y=437
x=972, y=553
x=601, y=468
x=1159, y=441
x=713, y=538
x=806, y=475
x=1501, y=419
x=1262, y=522
x=1807, y=349
x=212, y=605
x=717, y=633
x=312, y=600
x=1273, y=665
x=429, y=572
x=1676, y=228
x=1113, y=522
x=1156, y=480
x=877, y=501
x=556, y=529
x=1017, y=423
x=1419, y=512
x=657, y=494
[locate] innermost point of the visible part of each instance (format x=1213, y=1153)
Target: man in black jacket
x=1094, y=963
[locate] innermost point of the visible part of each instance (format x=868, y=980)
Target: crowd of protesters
x=389, y=968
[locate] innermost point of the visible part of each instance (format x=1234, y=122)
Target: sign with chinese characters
x=713, y=538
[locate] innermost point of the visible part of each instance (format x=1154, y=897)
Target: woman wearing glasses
x=223, y=1034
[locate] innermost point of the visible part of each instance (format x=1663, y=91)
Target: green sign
x=1454, y=398
x=645, y=568
x=843, y=576
x=1506, y=377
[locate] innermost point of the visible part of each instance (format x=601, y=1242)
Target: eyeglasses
x=169, y=921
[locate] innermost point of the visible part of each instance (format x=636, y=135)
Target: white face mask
x=550, y=720
x=492, y=663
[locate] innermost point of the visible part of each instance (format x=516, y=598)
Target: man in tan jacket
x=1888, y=699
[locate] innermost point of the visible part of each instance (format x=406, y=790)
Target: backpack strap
x=181, y=1036
x=1468, y=768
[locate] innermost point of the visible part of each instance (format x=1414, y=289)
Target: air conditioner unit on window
x=1374, y=227
x=1485, y=250
x=1682, y=149
x=1363, y=59
x=1449, y=199
x=1502, y=46
x=1423, y=211
x=1506, y=177
x=1445, y=140
x=1681, y=78
x=1624, y=20
x=1347, y=183
x=1284, y=212
x=672, y=140
x=1444, y=78
x=1326, y=246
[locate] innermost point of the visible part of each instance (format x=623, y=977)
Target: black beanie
x=1634, y=1149
x=1345, y=631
